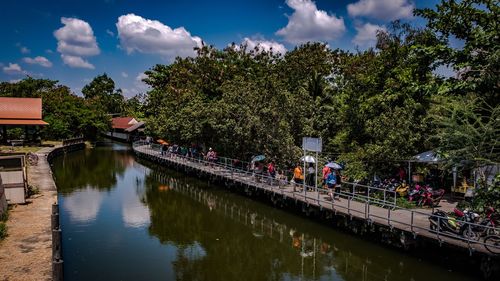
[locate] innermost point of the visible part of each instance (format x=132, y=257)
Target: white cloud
x=75, y=61
x=14, y=81
x=76, y=40
x=13, y=69
x=307, y=23
x=23, y=49
x=382, y=9
x=367, y=34
x=264, y=45
x=110, y=33
x=153, y=37
x=124, y=74
x=49, y=51
x=43, y=61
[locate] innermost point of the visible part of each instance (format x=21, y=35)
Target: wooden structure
x=125, y=129
x=20, y=112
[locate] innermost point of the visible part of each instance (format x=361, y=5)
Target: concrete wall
x=3, y=200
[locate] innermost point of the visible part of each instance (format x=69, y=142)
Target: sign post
x=312, y=145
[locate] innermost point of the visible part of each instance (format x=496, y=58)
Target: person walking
x=326, y=170
x=298, y=176
x=331, y=181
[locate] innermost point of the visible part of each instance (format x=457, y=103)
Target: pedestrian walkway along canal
x=128, y=219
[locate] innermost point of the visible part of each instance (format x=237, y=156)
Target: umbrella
x=160, y=141
x=334, y=166
x=258, y=158
x=308, y=159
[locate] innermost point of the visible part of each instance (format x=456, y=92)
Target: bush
x=33, y=190
x=3, y=230
x=487, y=195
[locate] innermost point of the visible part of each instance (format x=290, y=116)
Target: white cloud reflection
x=134, y=213
x=84, y=205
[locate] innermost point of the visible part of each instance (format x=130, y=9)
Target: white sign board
x=312, y=144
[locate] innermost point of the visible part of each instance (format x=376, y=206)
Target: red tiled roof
x=21, y=111
x=122, y=122
x=20, y=108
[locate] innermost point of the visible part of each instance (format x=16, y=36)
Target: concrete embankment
x=26, y=254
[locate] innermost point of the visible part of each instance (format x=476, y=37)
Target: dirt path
x=26, y=253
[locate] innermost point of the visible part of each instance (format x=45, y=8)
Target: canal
x=127, y=219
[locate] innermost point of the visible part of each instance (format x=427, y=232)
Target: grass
x=27, y=149
x=33, y=190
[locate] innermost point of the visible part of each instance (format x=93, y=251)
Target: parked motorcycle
x=442, y=222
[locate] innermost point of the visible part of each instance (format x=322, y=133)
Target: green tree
x=101, y=91
x=67, y=114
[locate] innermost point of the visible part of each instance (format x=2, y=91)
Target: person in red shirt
x=271, y=170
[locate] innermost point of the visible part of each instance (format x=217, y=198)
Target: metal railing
x=72, y=141
x=360, y=200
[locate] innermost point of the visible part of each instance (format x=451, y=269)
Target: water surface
x=127, y=219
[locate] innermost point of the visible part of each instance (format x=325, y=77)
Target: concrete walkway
x=26, y=254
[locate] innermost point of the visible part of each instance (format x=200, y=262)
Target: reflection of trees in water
x=231, y=229
x=97, y=168
x=185, y=215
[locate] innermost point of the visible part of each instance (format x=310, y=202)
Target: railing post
x=411, y=222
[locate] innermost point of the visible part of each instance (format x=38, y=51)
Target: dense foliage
x=372, y=108
x=67, y=114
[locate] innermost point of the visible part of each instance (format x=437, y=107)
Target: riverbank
x=26, y=253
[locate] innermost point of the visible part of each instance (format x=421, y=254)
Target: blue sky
x=74, y=41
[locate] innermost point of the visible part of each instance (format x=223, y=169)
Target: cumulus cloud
x=264, y=45
x=110, y=33
x=382, y=9
x=13, y=69
x=307, y=23
x=43, y=61
x=76, y=40
x=75, y=61
x=124, y=74
x=367, y=34
x=153, y=37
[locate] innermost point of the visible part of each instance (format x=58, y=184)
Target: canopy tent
x=427, y=157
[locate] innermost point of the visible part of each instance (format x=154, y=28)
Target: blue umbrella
x=258, y=158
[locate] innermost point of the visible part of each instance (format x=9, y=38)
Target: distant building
x=125, y=129
x=21, y=112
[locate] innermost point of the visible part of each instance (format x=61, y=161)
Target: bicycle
x=32, y=159
x=492, y=244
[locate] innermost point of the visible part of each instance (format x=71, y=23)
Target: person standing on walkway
x=271, y=169
x=298, y=176
x=310, y=176
x=338, y=182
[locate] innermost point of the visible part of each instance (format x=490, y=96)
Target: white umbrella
x=308, y=159
x=334, y=166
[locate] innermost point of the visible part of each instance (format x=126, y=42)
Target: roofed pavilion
x=20, y=112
